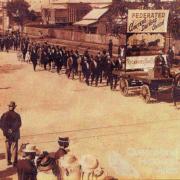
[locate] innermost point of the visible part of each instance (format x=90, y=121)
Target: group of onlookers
x=33, y=164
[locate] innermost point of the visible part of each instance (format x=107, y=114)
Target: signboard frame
x=163, y=32
x=147, y=21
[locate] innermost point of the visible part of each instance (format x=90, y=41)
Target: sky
x=75, y=1
x=37, y=4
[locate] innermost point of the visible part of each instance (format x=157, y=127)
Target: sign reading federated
x=147, y=21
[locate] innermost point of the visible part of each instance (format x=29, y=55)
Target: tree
x=18, y=11
x=32, y=15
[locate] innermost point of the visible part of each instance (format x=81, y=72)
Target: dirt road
x=130, y=138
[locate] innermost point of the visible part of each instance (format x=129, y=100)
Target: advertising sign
x=141, y=62
x=147, y=21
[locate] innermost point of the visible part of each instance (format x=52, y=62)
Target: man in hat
x=159, y=65
x=26, y=168
x=10, y=124
x=170, y=57
x=63, y=145
x=110, y=47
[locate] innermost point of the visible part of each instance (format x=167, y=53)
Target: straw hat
x=89, y=163
x=68, y=161
x=30, y=148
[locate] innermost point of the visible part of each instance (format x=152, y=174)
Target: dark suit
x=110, y=47
x=11, y=121
x=159, y=66
x=170, y=57
x=34, y=58
x=112, y=79
x=95, y=71
x=26, y=170
x=58, y=61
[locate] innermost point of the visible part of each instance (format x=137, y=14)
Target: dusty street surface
x=130, y=138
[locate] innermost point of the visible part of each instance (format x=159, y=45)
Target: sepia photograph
x=89, y=89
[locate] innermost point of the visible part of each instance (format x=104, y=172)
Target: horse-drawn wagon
x=148, y=86
x=139, y=72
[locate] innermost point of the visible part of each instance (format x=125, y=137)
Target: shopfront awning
x=95, y=13
x=92, y=17
x=85, y=22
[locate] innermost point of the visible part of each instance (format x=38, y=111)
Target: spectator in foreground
x=26, y=168
x=10, y=124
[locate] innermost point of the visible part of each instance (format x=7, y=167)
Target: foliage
x=32, y=15
x=18, y=11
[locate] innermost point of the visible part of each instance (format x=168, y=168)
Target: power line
x=97, y=128
x=100, y=136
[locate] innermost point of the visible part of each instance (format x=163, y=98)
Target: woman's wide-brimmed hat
x=30, y=148
x=89, y=163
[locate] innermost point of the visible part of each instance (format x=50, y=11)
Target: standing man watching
x=110, y=47
x=10, y=124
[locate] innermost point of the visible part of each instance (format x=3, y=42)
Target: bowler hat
x=12, y=104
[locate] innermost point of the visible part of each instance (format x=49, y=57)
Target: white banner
x=147, y=21
x=141, y=62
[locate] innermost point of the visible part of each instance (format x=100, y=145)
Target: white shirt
x=95, y=64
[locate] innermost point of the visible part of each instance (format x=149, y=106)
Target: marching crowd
x=88, y=67
x=10, y=41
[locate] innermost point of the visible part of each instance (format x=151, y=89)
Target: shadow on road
x=2, y=156
x=7, y=172
x=5, y=87
x=9, y=68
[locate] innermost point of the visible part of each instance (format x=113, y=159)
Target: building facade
x=4, y=19
x=64, y=13
x=69, y=11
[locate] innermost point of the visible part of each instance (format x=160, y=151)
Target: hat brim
x=26, y=151
x=31, y=151
x=9, y=105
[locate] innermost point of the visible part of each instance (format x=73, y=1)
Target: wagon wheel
x=123, y=84
x=145, y=93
